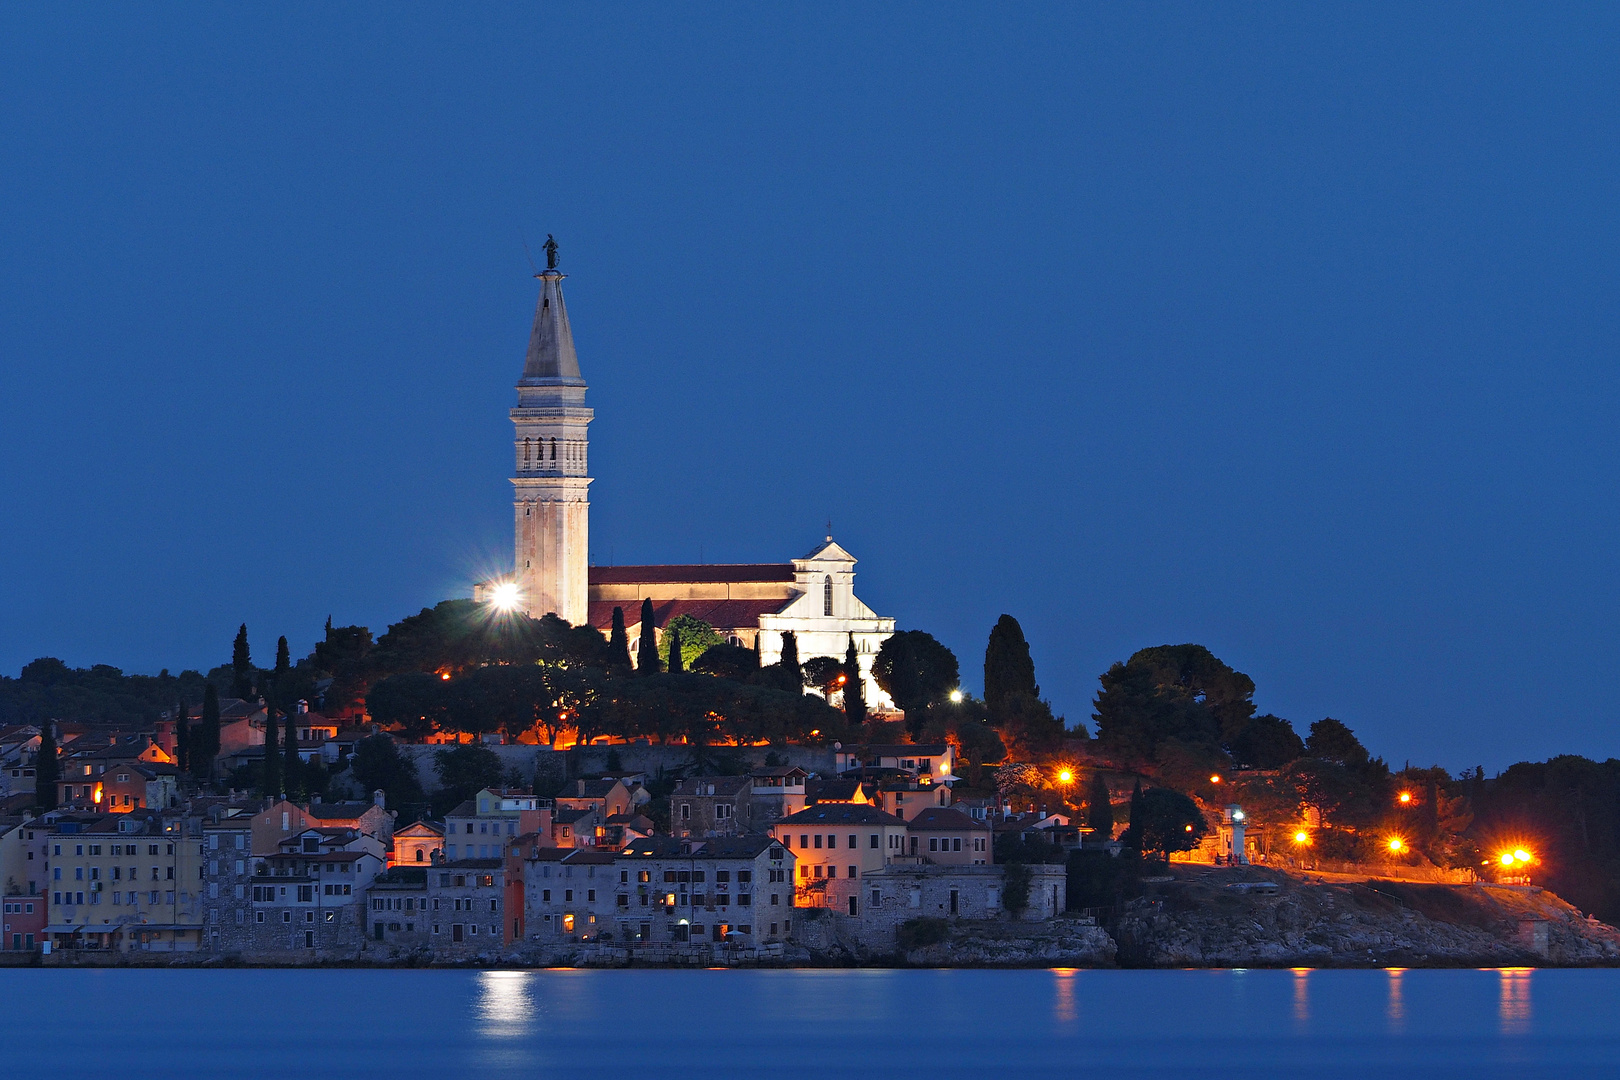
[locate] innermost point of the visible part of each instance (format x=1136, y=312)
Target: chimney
x=303, y=706
x=378, y=797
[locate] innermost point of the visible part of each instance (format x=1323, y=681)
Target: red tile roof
x=700, y=572
x=720, y=614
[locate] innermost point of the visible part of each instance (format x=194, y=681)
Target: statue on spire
x=551, y=252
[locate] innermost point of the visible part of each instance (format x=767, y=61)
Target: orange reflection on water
x=1395, y=1010
x=1302, y=999
x=1063, y=1007
x=1514, y=1003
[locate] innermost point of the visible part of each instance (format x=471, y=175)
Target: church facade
x=748, y=604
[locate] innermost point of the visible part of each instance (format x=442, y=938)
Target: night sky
x=1286, y=330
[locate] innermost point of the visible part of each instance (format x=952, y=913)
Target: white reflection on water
x=1514, y=1004
x=1063, y=1009
x=1395, y=1009
x=505, y=1008
x=1302, y=997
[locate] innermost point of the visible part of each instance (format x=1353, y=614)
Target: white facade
x=825, y=615
x=551, y=504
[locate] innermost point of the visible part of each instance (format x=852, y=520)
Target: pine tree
x=291, y=766
x=618, y=642
x=283, y=659
x=854, y=691
x=647, y=655
x=46, y=768
x=270, y=779
x=1099, y=809
x=1009, y=673
x=677, y=662
x=241, y=666
x=206, y=745
x=182, y=736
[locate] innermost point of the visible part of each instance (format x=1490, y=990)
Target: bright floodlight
x=1521, y=855
x=1065, y=776
x=1397, y=844
x=1507, y=858
x=1301, y=837
x=505, y=596
x=956, y=697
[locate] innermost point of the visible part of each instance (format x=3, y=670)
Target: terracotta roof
x=723, y=786
x=943, y=817
x=720, y=614
x=840, y=814
x=691, y=572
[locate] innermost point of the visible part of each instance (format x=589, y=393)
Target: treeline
x=1178, y=713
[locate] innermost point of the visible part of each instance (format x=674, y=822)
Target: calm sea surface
x=354, y=1024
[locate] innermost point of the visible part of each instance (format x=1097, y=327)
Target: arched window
x=419, y=855
x=525, y=453
x=826, y=596
x=553, y=449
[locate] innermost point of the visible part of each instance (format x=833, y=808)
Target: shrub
x=915, y=933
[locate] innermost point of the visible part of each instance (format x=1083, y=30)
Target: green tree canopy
x=464, y=771
x=727, y=662
x=1009, y=672
x=697, y=637
x=379, y=766
x=1170, y=821
x=241, y=666
x=854, y=687
x=1264, y=742
x=647, y=658
x=915, y=670
x=1170, y=691
x=1332, y=741
x=1099, y=808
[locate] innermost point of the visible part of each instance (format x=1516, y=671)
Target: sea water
x=358, y=1023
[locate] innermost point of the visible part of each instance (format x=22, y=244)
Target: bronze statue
x=551, y=252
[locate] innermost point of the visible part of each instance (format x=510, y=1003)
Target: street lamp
x=956, y=697
x=505, y=596
x=1406, y=798
x=1396, y=845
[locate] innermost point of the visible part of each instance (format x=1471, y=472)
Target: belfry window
x=553, y=449
x=826, y=596
x=525, y=451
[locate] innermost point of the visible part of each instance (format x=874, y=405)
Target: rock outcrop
x=1201, y=921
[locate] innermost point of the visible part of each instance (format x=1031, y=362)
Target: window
x=854, y=841
x=818, y=839
x=745, y=875
x=874, y=843
x=826, y=596
x=686, y=812
x=545, y=896
x=590, y=897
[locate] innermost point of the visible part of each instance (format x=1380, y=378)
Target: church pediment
x=829, y=552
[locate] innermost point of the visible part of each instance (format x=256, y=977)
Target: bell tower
x=550, y=499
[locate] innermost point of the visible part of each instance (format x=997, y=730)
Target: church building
x=746, y=603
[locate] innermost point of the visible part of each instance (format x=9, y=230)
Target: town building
x=125, y=881
x=836, y=845
x=948, y=837
x=417, y=844
x=478, y=826
x=608, y=796
x=736, y=889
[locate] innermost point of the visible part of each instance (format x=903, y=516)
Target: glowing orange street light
x=1406, y=797
x=1214, y=778
x=1302, y=837
x=1065, y=776
x=1397, y=845
x=445, y=675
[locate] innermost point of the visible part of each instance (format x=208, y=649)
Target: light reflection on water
x=1514, y=1003
x=1320, y=1024
x=505, y=1006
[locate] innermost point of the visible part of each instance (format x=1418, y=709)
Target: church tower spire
x=550, y=500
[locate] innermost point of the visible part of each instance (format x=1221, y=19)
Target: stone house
x=901, y=892
x=837, y=844
x=397, y=908
x=934, y=760
x=723, y=889
x=309, y=894
x=568, y=893
x=948, y=837
x=469, y=907
x=576, y=828
x=703, y=806
x=282, y=819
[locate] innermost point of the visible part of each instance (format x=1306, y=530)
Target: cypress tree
x=1099, y=810
x=792, y=674
x=283, y=659
x=182, y=736
x=270, y=779
x=1009, y=673
x=206, y=746
x=291, y=768
x=241, y=666
x=647, y=655
x=1133, y=831
x=677, y=662
x=618, y=642
x=46, y=768
x=854, y=692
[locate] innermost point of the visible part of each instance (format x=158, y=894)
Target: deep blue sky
x=1289, y=331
